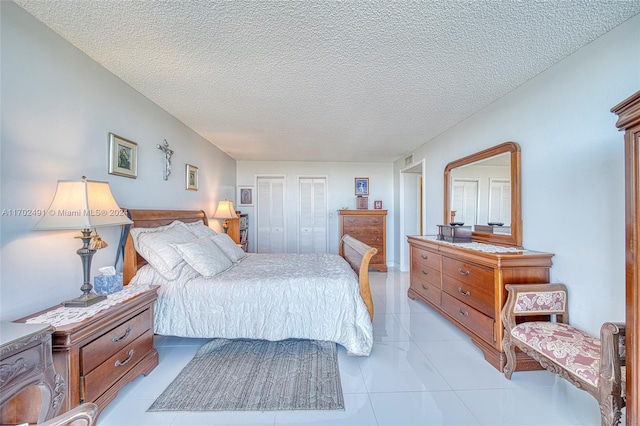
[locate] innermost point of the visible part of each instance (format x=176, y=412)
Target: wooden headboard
x=151, y=219
x=355, y=252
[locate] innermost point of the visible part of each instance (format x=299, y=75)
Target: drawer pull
x=464, y=293
x=424, y=272
x=424, y=256
x=463, y=313
x=463, y=272
x=424, y=287
x=121, y=363
x=117, y=339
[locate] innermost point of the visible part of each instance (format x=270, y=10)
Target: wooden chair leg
x=610, y=412
x=510, y=352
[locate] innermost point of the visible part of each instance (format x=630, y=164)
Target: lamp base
x=84, y=300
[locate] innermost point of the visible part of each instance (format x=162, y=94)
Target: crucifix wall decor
x=167, y=158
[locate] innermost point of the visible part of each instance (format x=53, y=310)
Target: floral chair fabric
x=573, y=349
x=540, y=302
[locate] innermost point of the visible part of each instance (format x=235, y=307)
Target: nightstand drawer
x=113, y=341
x=107, y=373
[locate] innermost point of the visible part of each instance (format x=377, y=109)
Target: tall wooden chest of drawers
x=466, y=286
x=370, y=227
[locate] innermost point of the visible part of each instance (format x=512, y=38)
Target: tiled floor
x=422, y=371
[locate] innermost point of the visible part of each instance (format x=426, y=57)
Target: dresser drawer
x=467, y=272
x=363, y=221
x=424, y=274
x=106, y=374
x=474, y=320
x=363, y=232
x=428, y=291
x=480, y=297
x=113, y=341
x=426, y=258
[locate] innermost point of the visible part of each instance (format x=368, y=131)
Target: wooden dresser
x=467, y=287
x=102, y=353
x=370, y=227
x=628, y=112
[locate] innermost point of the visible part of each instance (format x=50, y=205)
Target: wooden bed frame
x=356, y=253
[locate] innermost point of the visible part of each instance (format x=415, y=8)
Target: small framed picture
x=192, y=177
x=362, y=203
x=377, y=204
x=362, y=186
x=245, y=196
x=123, y=157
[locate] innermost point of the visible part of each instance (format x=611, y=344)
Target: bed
x=260, y=296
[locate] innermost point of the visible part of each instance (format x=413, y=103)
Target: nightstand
x=98, y=355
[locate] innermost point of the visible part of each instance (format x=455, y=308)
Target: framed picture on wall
x=245, y=196
x=123, y=157
x=377, y=204
x=191, y=177
x=362, y=186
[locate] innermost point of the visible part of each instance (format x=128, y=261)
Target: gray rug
x=245, y=375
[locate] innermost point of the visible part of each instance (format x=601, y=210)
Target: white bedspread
x=267, y=296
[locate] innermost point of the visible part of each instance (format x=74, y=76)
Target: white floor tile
x=400, y=367
x=421, y=408
x=562, y=405
x=357, y=411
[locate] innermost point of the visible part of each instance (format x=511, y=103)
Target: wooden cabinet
x=25, y=361
x=466, y=286
x=239, y=230
x=628, y=112
x=100, y=354
x=370, y=227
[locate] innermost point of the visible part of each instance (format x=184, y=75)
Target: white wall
x=572, y=167
x=340, y=180
x=58, y=107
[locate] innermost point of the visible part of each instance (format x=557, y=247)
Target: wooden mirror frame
x=515, y=239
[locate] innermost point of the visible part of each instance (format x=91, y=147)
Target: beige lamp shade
x=81, y=205
x=225, y=210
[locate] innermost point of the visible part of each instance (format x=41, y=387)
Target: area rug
x=246, y=375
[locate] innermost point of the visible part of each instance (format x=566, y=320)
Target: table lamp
x=83, y=205
x=225, y=211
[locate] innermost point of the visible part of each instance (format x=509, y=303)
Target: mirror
x=483, y=190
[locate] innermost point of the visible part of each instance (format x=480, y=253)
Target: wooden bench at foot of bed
x=355, y=252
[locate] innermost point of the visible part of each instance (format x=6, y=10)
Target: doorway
x=412, y=218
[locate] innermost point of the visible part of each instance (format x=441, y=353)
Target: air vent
x=408, y=160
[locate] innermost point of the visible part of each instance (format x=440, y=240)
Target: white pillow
x=229, y=247
x=204, y=256
x=200, y=229
x=154, y=244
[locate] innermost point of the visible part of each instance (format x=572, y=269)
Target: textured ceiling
x=327, y=81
